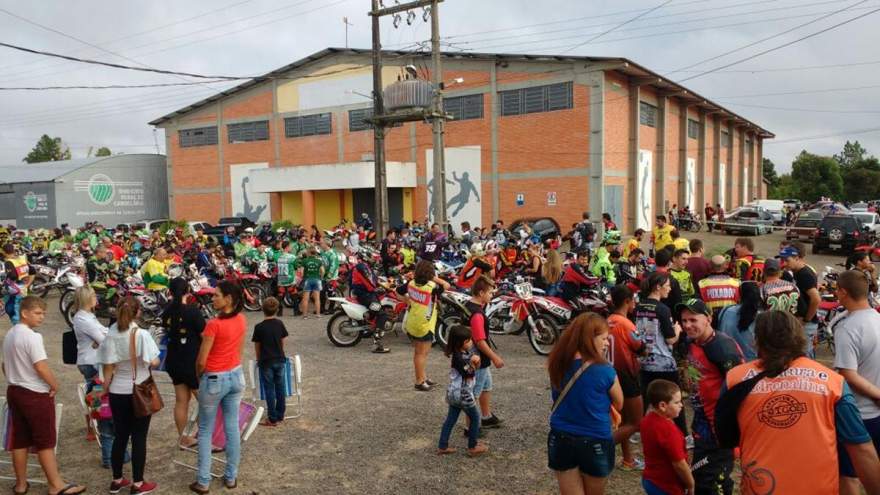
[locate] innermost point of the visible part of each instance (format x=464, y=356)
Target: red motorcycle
x=252, y=286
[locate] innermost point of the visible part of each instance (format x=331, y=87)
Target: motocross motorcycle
x=354, y=321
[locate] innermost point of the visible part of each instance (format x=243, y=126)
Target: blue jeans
x=452, y=418
x=13, y=308
x=219, y=390
x=272, y=378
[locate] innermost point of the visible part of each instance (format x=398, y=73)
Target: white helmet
x=477, y=249
x=491, y=246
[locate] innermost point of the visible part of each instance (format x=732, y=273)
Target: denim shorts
x=593, y=456
x=312, y=285
x=482, y=381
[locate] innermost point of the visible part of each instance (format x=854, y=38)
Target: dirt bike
x=253, y=288
x=354, y=321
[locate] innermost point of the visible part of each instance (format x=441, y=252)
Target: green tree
x=48, y=149
x=784, y=188
x=769, y=169
x=851, y=155
x=103, y=151
x=814, y=176
x=861, y=184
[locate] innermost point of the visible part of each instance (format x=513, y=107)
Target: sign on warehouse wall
x=644, y=183
x=463, y=180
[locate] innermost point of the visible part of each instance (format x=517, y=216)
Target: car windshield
x=807, y=222
x=839, y=222
x=865, y=217
x=229, y=220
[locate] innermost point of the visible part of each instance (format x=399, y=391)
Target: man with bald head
x=719, y=289
x=155, y=271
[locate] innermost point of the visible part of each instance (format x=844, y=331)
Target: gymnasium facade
x=531, y=136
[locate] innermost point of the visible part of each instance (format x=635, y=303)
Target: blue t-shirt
x=586, y=410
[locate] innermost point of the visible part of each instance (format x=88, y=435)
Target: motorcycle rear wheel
x=40, y=286
x=695, y=226
x=441, y=335
x=336, y=330
x=543, y=335
x=64, y=304
x=254, y=295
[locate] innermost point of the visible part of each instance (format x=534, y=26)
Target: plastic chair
x=249, y=416
x=6, y=437
x=292, y=384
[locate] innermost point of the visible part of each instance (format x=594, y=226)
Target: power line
x=805, y=92
x=784, y=45
x=823, y=136
x=810, y=110
x=111, y=86
x=749, y=45
x=790, y=69
x=624, y=23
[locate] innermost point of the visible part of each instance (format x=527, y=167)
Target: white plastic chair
x=5, y=423
x=292, y=384
x=246, y=429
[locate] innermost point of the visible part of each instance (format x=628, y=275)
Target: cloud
x=215, y=38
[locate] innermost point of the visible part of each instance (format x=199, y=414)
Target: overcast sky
x=250, y=37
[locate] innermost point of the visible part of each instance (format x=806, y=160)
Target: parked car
x=774, y=206
x=149, y=224
x=748, y=221
x=804, y=226
x=545, y=227
x=870, y=220
x=838, y=232
x=240, y=223
x=857, y=207
x=792, y=203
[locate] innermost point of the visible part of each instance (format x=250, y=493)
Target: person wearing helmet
x=433, y=244
x=365, y=287
x=245, y=243
x=575, y=276
x=601, y=265
x=475, y=267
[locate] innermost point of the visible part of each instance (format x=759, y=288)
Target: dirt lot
x=365, y=430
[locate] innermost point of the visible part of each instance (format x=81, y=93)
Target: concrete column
x=596, y=165
x=308, y=208
x=634, y=118
x=743, y=163
x=683, y=154
x=701, y=163
x=169, y=171
x=759, y=158
x=729, y=172
x=660, y=158
x=494, y=105
x=221, y=141
x=277, y=129
x=716, y=159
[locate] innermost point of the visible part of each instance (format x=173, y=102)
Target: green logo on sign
x=30, y=201
x=101, y=189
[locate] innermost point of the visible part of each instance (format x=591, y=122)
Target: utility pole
x=438, y=122
x=381, y=121
x=381, y=182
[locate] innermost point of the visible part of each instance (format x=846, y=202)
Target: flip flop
x=70, y=489
x=27, y=486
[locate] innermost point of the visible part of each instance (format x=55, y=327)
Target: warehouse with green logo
x=110, y=190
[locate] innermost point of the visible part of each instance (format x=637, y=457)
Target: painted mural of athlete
x=251, y=213
x=464, y=193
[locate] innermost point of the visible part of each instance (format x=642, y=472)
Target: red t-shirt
x=662, y=445
x=624, y=345
x=228, y=336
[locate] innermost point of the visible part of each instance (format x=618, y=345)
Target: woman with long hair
x=738, y=320
x=221, y=383
x=185, y=324
x=551, y=273
x=122, y=371
x=580, y=445
x=422, y=294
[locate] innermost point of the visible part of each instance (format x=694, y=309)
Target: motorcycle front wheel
x=343, y=331
x=696, y=226
x=441, y=336
x=254, y=293
x=40, y=286
x=64, y=305
x=543, y=334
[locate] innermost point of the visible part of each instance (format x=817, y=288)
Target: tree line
x=851, y=175
x=53, y=149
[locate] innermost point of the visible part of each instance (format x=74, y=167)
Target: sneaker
x=689, y=442
x=430, y=382
x=636, y=438
x=423, y=387
x=116, y=486
x=145, y=488
x=381, y=349
x=636, y=465
x=491, y=422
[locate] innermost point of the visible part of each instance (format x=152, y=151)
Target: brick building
x=532, y=136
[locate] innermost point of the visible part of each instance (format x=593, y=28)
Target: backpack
x=588, y=232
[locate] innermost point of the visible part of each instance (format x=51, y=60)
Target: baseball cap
x=772, y=266
x=789, y=252
x=694, y=305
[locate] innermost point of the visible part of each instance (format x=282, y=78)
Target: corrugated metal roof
x=630, y=67
x=14, y=173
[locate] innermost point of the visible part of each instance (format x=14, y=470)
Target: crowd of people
x=732, y=333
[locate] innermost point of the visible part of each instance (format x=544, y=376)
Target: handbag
x=145, y=396
x=68, y=347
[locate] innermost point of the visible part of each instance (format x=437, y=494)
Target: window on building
x=725, y=139
x=464, y=107
x=537, y=99
x=357, y=119
x=647, y=114
x=308, y=125
x=693, y=129
x=203, y=136
x=248, y=131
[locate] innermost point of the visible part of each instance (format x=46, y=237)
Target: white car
x=870, y=220
x=859, y=207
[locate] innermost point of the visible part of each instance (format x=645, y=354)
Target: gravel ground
x=364, y=430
